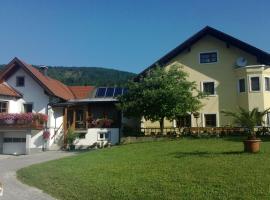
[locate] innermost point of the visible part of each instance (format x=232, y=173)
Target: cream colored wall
x=222, y=72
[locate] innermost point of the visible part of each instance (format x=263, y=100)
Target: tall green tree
x=162, y=93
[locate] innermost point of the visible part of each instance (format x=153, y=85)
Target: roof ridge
x=263, y=55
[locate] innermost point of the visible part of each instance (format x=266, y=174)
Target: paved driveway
x=13, y=189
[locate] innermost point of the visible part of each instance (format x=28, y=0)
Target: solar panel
x=118, y=91
x=109, y=92
x=100, y=92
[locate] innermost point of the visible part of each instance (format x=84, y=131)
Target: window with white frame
x=241, y=85
x=208, y=57
x=104, y=136
x=255, y=83
x=3, y=106
x=267, y=83
x=210, y=120
x=208, y=87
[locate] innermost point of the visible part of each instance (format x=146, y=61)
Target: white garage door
x=14, y=143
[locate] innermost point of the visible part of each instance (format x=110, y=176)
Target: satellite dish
x=241, y=62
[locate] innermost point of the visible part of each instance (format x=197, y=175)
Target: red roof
x=8, y=91
x=81, y=92
x=52, y=86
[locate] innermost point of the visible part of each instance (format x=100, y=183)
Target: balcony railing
x=22, y=121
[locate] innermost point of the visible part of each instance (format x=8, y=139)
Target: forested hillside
x=89, y=76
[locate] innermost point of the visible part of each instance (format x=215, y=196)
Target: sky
x=127, y=35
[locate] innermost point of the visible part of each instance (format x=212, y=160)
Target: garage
x=14, y=143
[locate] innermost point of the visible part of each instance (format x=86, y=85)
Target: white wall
x=91, y=137
x=36, y=139
x=14, y=105
x=32, y=93
x=55, y=121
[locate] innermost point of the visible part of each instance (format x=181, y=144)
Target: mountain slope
x=97, y=76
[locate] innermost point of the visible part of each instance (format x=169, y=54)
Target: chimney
x=44, y=70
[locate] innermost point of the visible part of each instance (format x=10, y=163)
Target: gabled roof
x=52, y=86
x=262, y=56
x=6, y=90
x=81, y=92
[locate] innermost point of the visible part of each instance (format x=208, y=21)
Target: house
x=32, y=104
x=231, y=71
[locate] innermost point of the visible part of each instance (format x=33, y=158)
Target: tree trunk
x=161, y=125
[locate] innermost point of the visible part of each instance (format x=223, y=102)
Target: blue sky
x=127, y=35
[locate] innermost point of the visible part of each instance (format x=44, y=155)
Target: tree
x=248, y=119
x=161, y=94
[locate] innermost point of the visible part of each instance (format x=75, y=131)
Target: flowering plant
x=24, y=117
x=46, y=135
x=41, y=117
x=100, y=123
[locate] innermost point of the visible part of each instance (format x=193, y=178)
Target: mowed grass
x=179, y=169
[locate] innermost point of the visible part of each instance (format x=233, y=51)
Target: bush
x=130, y=131
x=71, y=137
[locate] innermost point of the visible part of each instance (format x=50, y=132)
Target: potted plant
x=71, y=137
x=46, y=137
x=249, y=120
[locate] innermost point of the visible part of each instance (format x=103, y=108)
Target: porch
x=83, y=116
x=95, y=123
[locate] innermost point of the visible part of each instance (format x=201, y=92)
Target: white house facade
x=36, y=111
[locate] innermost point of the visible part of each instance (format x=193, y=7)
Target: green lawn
x=179, y=169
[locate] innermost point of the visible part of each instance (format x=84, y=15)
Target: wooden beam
x=74, y=118
x=86, y=116
x=65, y=126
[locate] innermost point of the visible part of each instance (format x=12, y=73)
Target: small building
x=36, y=111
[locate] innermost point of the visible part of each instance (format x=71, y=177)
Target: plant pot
x=9, y=121
x=252, y=145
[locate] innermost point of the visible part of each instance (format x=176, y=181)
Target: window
x=241, y=85
x=20, y=81
x=267, y=83
x=184, y=121
x=28, y=107
x=210, y=57
x=3, y=107
x=255, y=83
x=210, y=120
x=209, y=88
x=104, y=136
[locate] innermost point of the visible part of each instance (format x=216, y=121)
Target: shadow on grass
x=205, y=153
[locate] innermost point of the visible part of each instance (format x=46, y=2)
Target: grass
x=179, y=169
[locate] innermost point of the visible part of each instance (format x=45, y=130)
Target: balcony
x=34, y=121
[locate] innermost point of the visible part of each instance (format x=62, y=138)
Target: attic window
x=209, y=57
x=20, y=81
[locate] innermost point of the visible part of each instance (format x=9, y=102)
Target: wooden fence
x=202, y=130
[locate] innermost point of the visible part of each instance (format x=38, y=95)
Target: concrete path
x=15, y=190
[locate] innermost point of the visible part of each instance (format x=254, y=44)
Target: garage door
x=14, y=143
